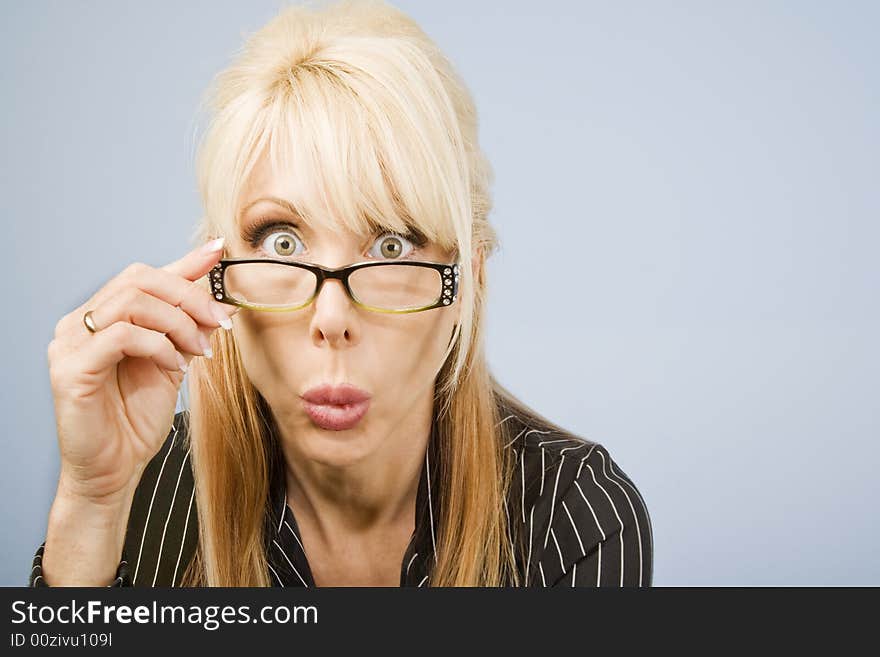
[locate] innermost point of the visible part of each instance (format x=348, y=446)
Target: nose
x=334, y=318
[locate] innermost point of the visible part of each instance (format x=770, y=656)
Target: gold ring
x=89, y=322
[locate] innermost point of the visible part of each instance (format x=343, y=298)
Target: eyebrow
x=284, y=203
x=291, y=208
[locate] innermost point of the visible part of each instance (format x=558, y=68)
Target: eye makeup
x=255, y=232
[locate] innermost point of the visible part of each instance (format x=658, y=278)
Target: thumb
x=197, y=262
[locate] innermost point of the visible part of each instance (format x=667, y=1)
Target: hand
x=115, y=391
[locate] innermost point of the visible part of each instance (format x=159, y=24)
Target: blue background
x=687, y=199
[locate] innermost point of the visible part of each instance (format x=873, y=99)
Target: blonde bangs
x=360, y=153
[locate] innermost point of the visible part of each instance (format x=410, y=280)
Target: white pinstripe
x=541, y=492
x=295, y=536
x=561, y=440
x=276, y=574
x=581, y=446
x=553, y=500
x=578, y=475
x=410, y=563
x=531, y=522
x=283, y=507
x=635, y=516
x=539, y=431
x=516, y=437
x=290, y=562
x=430, y=505
x=150, y=508
x=574, y=527
x=168, y=519
x=610, y=501
x=590, y=507
x=183, y=538
x=561, y=560
x=639, y=495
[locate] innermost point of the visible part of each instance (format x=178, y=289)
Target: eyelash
x=256, y=232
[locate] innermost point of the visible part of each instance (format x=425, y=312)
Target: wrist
x=74, y=494
x=84, y=542
x=75, y=511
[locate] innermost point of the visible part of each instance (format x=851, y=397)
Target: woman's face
x=393, y=357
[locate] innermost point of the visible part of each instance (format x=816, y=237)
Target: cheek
x=266, y=349
x=420, y=347
x=407, y=350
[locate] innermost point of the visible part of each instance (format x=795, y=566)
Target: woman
x=359, y=398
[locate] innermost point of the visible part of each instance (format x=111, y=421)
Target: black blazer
x=576, y=518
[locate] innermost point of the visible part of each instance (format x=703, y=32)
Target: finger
x=193, y=296
x=111, y=345
x=193, y=266
x=135, y=306
x=198, y=262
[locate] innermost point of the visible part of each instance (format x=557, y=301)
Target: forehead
x=294, y=192
x=264, y=182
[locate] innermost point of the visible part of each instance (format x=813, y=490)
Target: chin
x=337, y=448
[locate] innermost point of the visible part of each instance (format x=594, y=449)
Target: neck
x=364, y=496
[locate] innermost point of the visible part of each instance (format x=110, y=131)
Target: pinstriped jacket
x=575, y=517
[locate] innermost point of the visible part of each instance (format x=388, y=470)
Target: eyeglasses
x=404, y=286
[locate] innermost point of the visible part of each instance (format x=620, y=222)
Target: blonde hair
x=383, y=133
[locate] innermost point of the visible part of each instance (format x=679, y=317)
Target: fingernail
x=181, y=361
x=222, y=319
x=213, y=246
x=206, y=346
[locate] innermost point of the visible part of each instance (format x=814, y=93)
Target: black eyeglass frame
x=448, y=274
